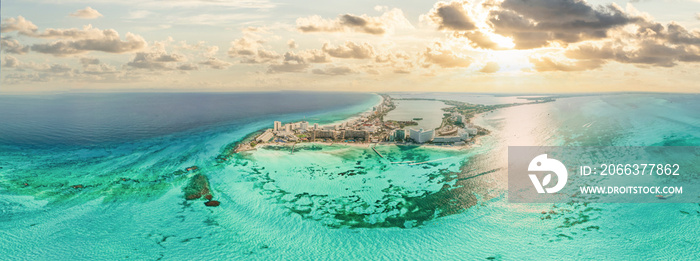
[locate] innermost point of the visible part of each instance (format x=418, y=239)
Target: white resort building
x=303, y=126
x=421, y=136
x=278, y=126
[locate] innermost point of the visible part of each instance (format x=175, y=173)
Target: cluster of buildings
x=421, y=136
x=352, y=131
x=367, y=128
x=363, y=130
x=457, y=118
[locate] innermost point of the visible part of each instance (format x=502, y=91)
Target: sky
x=490, y=46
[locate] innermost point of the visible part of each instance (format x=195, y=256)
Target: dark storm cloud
x=534, y=23
x=451, y=16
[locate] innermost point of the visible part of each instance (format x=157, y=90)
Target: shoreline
x=244, y=144
x=357, y=115
x=365, y=145
x=467, y=110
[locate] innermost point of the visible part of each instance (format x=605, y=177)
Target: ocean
x=114, y=118
x=321, y=202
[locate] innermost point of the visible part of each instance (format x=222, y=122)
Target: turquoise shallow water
x=344, y=202
x=349, y=186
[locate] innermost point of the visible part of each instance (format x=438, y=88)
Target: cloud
x=391, y=57
x=99, y=69
x=190, y=4
x=14, y=63
x=307, y=56
x=14, y=78
x=292, y=44
x=444, y=57
x=59, y=68
x=651, y=44
x=109, y=43
x=156, y=60
x=244, y=46
x=397, y=61
x=216, y=63
x=590, y=35
x=10, y=62
x=677, y=34
x=188, y=67
x=19, y=24
x=646, y=52
x=349, y=50
x=548, y=63
x=206, y=50
x=88, y=32
x=72, y=41
x=12, y=46
x=528, y=23
x=251, y=51
x=333, y=70
x=299, y=61
x=87, y=13
x=27, y=28
x=490, y=67
x=138, y=14
x=85, y=61
x=355, y=23
x=256, y=30
x=245, y=4
x=287, y=67
x=480, y=39
x=213, y=19
x=697, y=16
x=535, y=23
x=92, y=70
x=451, y=16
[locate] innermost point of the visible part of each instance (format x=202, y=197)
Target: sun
x=509, y=60
x=502, y=41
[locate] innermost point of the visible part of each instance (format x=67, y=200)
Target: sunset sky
x=524, y=46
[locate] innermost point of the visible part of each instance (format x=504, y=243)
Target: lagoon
x=406, y=110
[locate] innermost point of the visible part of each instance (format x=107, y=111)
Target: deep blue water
x=98, y=118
